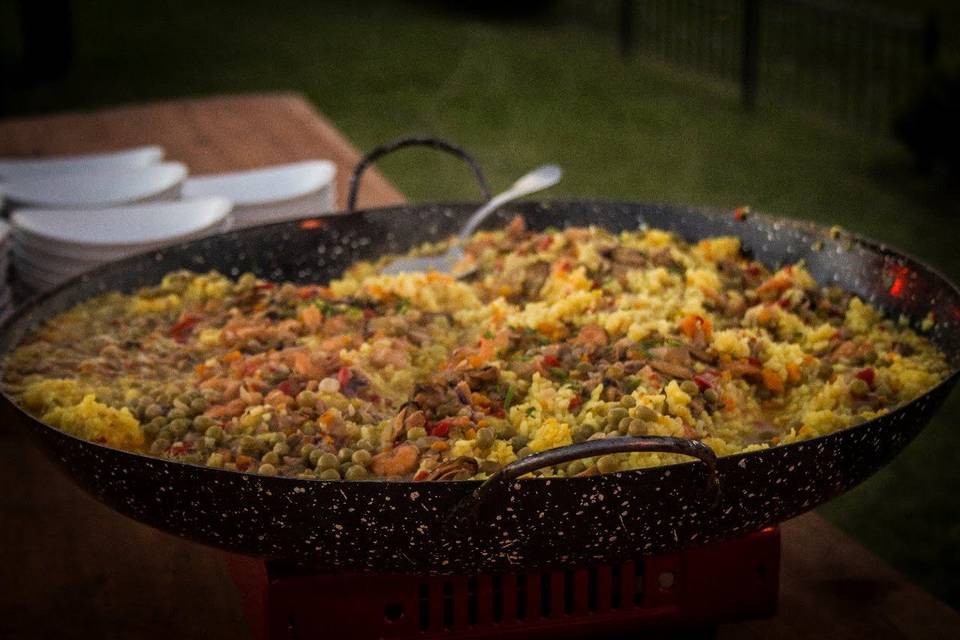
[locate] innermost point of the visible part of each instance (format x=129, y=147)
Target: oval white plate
x=120, y=227
x=136, y=157
x=267, y=185
x=102, y=188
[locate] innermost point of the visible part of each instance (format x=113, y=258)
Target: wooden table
x=71, y=567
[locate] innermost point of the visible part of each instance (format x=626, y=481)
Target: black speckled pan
x=447, y=527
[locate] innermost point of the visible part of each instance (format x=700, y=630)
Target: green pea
x=415, y=433
x=616, y=415
x=329, y=474
x=308, y=428
x=624, y=426
x=690, y=387
x=518, y=442
x=575, y=467
x=248, y=444
x=314, y=456
x=150, y=430
x=202, y=423
x=711, y=395
x=361, y=457
x=153, y=411
x=281, y=448
x=607, y=464
x=628, y=401
x=179, y=426
x=646, y=414
x=198, y=405
x=306, y=399
x=637, y=428
x=355, y=472
x=270, y=458
x=176, y=413
x=305, y=449
x=215, y=460
x=215, y=432
x=267, y=469
x=505, y=430
x=582, y=432
x=327, y=461
x=523, y=453
x=159, y=445
x=859, y=387
x=345, y=454
x=485, y=438
x=363, y=443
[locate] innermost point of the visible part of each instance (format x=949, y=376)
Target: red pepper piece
x=343, y=376
x=181, y=329
x=868, y=375
x=551, y=361
x=703, y=382
x=441, y=429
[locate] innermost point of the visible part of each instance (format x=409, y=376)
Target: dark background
x=838, y=113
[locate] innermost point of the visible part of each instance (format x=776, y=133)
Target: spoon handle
x=537, y=180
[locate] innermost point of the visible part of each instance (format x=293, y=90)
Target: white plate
x=316, y=203
x=265, y=186
x=119, y=227
x=136, y=157
x=101, y=188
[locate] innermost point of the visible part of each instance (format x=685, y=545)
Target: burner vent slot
x=424, y=602
x=497, y=595
x=522, y=597
x=448, y=605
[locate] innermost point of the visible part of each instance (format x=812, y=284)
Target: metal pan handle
x=467, y=509
x=433, y=143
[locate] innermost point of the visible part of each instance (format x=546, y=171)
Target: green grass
x=552, y=88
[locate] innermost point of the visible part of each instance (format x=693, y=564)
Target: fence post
x=750, y=54
x=931, y=40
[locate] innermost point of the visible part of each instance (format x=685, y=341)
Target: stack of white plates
x=51, y=246
x=73, y=213
x=272, y=194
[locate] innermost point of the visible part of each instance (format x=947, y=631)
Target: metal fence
x=856, y=65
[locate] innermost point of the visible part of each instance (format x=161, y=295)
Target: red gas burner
x=727, y=581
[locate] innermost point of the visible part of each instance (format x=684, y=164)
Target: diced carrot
x=692, y=323
x=440, y=445
x=471, y=433
x=793, y=372
x=232, y=356
x=772, y=380
x=777, y=283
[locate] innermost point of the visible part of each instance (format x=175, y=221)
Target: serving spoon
x=537, y=180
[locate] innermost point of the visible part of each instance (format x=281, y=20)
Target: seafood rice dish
x=548, y=338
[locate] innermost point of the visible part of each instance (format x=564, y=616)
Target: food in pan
x=551, y=338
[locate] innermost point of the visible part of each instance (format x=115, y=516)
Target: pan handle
x=468, y=508
x=400, y=143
